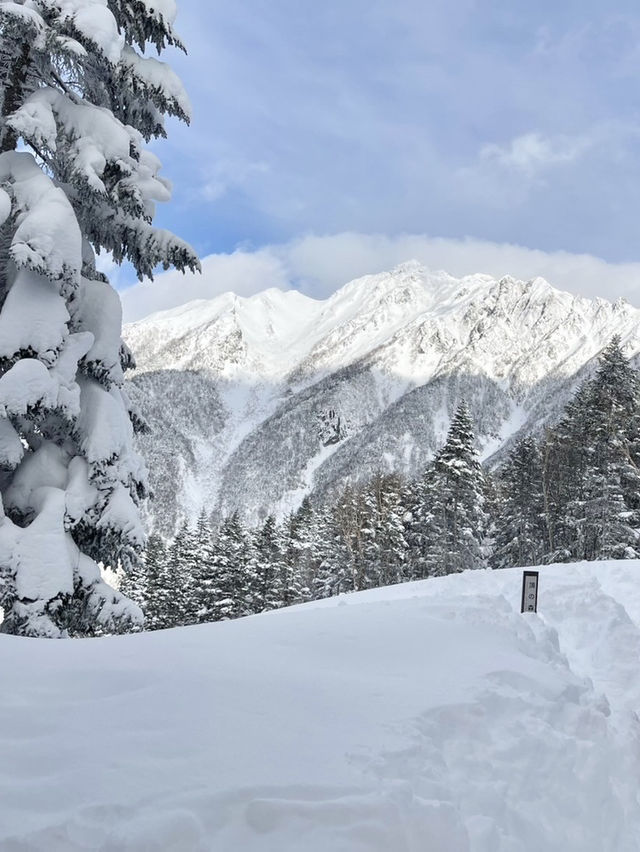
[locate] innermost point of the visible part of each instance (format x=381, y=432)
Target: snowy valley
x=239, y=390
x=430, y=715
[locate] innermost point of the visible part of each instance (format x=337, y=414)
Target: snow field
x=429, y=716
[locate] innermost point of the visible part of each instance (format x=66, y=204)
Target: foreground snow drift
x=429, y=716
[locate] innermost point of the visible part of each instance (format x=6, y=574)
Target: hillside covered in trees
x=573, y=495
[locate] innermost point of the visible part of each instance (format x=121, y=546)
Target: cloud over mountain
x=318, y=265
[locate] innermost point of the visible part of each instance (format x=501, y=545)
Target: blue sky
x=497, y=123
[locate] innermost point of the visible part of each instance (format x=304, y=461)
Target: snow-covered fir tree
x=298, y=554
x=385, y=546
x=456, y=520
x=592, y=466
x=521, y=534
x=269, y=567
x=331, y=556
x=202, y=579
x=177, y=578
x=350, y=519
x=235, y=577
x=564, y=454
x=416, y=525
x=79, y=98
x=155, y=586
x=613, y=486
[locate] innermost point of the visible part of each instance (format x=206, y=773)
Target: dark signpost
x=529, y=591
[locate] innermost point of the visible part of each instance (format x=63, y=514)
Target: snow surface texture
x=426, y=717
x=235, y=386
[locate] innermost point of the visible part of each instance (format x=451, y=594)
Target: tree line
x=573, y=494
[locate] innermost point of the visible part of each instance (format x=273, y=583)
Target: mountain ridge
x=390, y=354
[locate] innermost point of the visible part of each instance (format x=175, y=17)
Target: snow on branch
x=34, y=318
x=90, y=138
x=95, y=22
x=47, y=237
x=22, y=15
x=157, y=81
x=147, y=21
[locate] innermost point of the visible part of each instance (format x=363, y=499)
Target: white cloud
x=318, y=265
x=242, y=272
x=383, y=123
x=532, y=152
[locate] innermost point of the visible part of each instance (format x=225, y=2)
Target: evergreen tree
x=156, y=595
x=565, y=458
x=385, y=546
x=520, y=525
x=80, y=97
x=133, y=585
x=234, y=579
x=270, y=567
x=298, y=555
x=331, y=561
x=349, y=520
x=612, y=484
x=176, y=591
x=202, y=580
x=417, y=524
x=456, y=521
x=190, y=568
x=591, y=470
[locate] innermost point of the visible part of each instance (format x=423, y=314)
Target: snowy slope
x=393, y=354
x=428, y=717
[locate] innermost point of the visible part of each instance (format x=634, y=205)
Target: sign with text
x=529, y=591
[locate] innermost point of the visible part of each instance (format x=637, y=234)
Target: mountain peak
x=393, y=353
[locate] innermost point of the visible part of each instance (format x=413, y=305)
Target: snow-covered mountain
x=334, y=725
x=256, y=401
